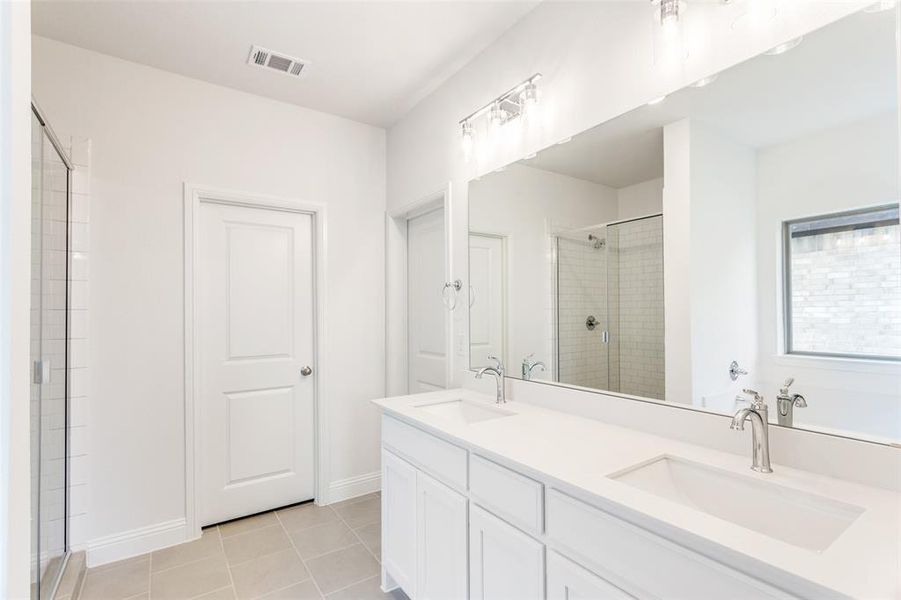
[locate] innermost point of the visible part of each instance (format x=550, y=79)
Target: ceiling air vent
x=267, y=59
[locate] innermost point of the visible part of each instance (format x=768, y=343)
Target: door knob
x=306, y=371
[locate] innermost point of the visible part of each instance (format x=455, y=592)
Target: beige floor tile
x=192, y=579
x=360, y=513
x=247, y=524
x=362, y=498
x=366, y=590
x=72, y=576
x=268, y=573
x=301, y=591
x=221, y=594
x=117, y=581
x=207, y=546
x=372, y=538
x=341, y=568
x=254, y=544
x=323, y=539
x=144, y=596
x=306, y=516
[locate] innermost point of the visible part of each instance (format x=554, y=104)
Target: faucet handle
x=528, y=358
x=498, y=364
x=788, y=382
x=757, y=399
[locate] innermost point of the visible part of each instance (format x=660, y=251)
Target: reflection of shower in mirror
x=596, y=242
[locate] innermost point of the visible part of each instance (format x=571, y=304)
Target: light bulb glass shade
x=496, y=116
x=529, y=95
x=466, y=139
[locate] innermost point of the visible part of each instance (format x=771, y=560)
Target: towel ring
x=451, y=303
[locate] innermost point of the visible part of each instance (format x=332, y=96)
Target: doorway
x=253, y=315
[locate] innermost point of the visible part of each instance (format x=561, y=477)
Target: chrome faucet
x=498, y=372
x=528, y=364
x=760, y=446
x=786, y=403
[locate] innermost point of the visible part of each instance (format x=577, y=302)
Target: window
x=843, y=284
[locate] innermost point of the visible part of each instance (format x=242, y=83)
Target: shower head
x=596, y=242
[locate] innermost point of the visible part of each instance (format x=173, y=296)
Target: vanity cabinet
x=457, y=525
x=504, y=562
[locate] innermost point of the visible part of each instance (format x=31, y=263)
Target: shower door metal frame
x=58, y=147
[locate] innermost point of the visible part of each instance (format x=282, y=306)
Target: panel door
x=504, y=563
x=568, y=581
x=441, y=533
x=399, y=521
x=426, y=313
x=486, y=314
x=254, y=302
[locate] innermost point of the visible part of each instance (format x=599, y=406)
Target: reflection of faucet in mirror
x=528, y=364
x=735, y=370
x=498, y=372
x=786, y=403
x=760, y=439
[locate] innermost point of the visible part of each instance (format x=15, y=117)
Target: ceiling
x=370, y=61
x=840, y=74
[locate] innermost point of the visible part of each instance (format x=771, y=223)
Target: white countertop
x=579, y=453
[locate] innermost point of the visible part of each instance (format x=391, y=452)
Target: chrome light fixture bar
x=506, y=107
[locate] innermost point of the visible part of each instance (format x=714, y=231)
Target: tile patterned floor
x=300, y=553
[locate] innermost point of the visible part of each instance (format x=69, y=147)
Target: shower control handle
x=306, y=371
x=591, y=323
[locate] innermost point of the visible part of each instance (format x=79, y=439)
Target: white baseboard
x=345, y=489
x=135, y=542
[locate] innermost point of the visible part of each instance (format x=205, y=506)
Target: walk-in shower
x=50, y=195
x=609, y=304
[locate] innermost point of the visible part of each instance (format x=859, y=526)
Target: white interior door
x=254, y=306
x=426, y=313
x=486, y=314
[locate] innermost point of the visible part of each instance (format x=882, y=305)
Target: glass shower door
x=49, y=335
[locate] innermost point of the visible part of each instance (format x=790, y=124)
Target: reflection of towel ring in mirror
x=472, y=296
x=455, y=285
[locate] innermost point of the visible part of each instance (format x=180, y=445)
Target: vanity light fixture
x=508, y=106
x=657, y=100
x=783, y=48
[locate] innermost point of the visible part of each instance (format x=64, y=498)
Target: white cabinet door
x=441, y=541
x=568, y=581
x=504, y=563
x=399, y=521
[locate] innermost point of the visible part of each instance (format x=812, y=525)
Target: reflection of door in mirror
x=487, y=274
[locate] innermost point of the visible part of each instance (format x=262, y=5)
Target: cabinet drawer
x=643, y=564
x=441, y=459
x=506, y=493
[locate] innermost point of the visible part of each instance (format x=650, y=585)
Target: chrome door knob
x=306, y=371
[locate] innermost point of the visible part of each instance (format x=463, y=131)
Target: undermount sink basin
x=464, y=412
x=804, y=520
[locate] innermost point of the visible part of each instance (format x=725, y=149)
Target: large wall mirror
x=740, y=233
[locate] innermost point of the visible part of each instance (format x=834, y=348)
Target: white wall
x=640, y=199
x=15, y=297
x=843, y=168
x=152, y=131
x=525, y=205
